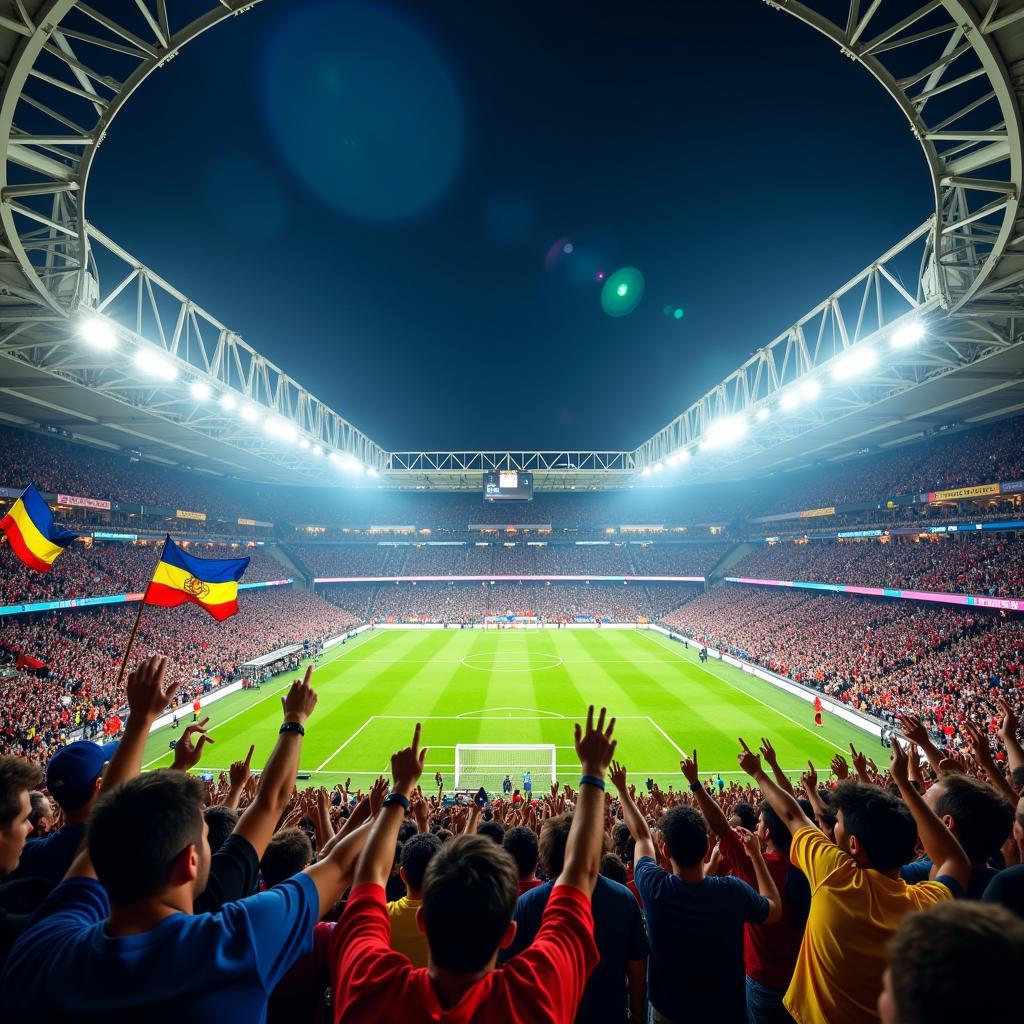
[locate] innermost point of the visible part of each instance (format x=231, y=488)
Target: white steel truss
x=953, y=66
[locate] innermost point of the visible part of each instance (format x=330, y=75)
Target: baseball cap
x=73, y=770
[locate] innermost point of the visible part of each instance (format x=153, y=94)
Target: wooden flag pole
x=131, y=642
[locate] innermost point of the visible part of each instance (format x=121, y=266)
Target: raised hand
x=188, y=750
x=913, y=729
x=748, y=760
x=978, y=742
x=751, y=844
x=240, y=771
x=840, y=769
x=768, y=753
x=899, y=765
x=145, y=690
x=378, y=791
x=618, y=775
x=860, y=762
x=1009, y=725
x=811, y=775
x=421, y=814
x=407, y=764
x=690, y=769
x=301, y=698
x=594, y=745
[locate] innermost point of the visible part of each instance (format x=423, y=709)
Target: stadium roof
x=925, y=338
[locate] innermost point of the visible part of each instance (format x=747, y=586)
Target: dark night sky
x=367, y=197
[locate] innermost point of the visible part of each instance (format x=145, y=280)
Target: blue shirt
x=919, y=871
x=50, y=856
x=203, y=968
x=696, y=934
x=618, y=932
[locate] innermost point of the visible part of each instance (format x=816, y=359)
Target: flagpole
x=131, y=641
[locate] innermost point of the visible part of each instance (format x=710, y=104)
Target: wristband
x=695, y=787
x=292, y=727
x=396, y=798
x=592, y=780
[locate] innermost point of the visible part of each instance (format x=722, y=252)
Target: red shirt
x=526, y=884
x=196, y=706
x=543, y=985
x=769, y=950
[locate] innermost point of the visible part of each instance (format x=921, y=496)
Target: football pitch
x=510, y=687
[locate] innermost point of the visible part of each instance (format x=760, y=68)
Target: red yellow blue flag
x=211, y=583
x=32, y=533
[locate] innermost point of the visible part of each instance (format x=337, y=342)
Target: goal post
x=487, y=764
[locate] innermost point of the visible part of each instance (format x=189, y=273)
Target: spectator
x=695, y=923
x=521, y=843
x=406, y=937
x=41, y=815
x=942, y=963
x=288, y=852
x=17, y=780
x=469, y=896
x=618, y=932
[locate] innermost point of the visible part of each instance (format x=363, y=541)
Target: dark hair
x=406, y=831
x=746, y=813
x=417, y=853
x=40, y=804
x=522, y=843
x=221, y=822
x=554, y=834
x=138, y=830
x=938, y=957
x=469, y=893
x=493, y=830
x=288, y=852
x=623, y=842
x=983, y=818
x=16, y=776
x=883, y=824
x=444, y=834
x=613, y=868
x=1017, y=778
x=686, y=834
x=778, y=832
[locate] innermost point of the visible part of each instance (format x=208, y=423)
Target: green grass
x=475, y=686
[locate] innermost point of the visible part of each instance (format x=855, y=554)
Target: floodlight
x=725, y=431
x=909, y=334
x=155, y=365
x=646, y=471
x=248, y=413
x=658, y=467
x=303, y=442
x=200, y=390
x=97, y=333
x=789, y=401
x=763, y=413
x=673, y=460
x=854, y=362
x=684, y=455
x=228, y=402
x=810, y=389
x=317, y=450
x=371, y=472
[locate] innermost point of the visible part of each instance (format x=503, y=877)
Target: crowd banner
x=77, y=502
x=508, y=579
x=185, y=514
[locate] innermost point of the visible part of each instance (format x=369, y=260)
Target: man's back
x=618, y=932
x=696, y=936
x=854, y=913
x=204, y=967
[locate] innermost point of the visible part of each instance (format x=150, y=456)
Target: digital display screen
x=508, y=485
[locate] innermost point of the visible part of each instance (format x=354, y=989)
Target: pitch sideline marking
x=273, y=693
x=666, y=735
x=740, y=689
x=347, y=742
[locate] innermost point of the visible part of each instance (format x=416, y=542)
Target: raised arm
x=333, y=874
x=765, y=883
x=772, y=760
x=914, y=730
x=260, y=818
x=1008, y=729
x=946, y=853
x=713, y=814
x=378, y=854
x=782, y=803
x=238, y=775
x=983, y=755
x=594, y=748
x=634, y=820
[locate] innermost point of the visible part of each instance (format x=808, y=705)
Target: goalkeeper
x=528, y=786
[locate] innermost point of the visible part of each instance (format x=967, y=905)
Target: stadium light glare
x=854, y=362
x=658, y=467
x=155, y=366
x=763, y=413
x=200, y=390
x=334, y=457
x=228, y=402
x=809, y=390
x=908, y=335
x=724, y=432
x=317, y=450
x=248, y=413
x=789, y=401
x=98, y=334
x=303, y=442
x=684, y=455
x=646, y=471
x=372, y=473
x=672, y=460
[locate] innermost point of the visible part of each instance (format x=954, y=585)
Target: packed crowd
x=91, y=570
x=959, y=564
x=510, y=559
x=882, y=893
x=948, y=667
x=58, y=671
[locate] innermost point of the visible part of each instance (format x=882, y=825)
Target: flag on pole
x=32, y=533
x=211, y=583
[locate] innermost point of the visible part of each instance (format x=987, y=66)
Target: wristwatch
x=292, y=727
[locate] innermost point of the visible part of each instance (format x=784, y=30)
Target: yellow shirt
x=854, y=913
x=406, y=936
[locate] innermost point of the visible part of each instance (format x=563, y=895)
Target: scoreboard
x=508, y=485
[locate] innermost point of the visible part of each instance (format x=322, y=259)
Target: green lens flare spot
x=622, y=291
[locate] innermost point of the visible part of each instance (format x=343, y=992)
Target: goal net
x=481, y=764
x=515, y=622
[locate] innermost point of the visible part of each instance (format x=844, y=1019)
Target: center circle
x=501, y=663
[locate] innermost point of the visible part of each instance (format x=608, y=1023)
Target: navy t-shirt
x=50, y=856
x=696, y=934
x=618, y=932
x=203, y=968
x=919, y=870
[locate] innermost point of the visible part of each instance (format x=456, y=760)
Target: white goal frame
x=500, y=766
